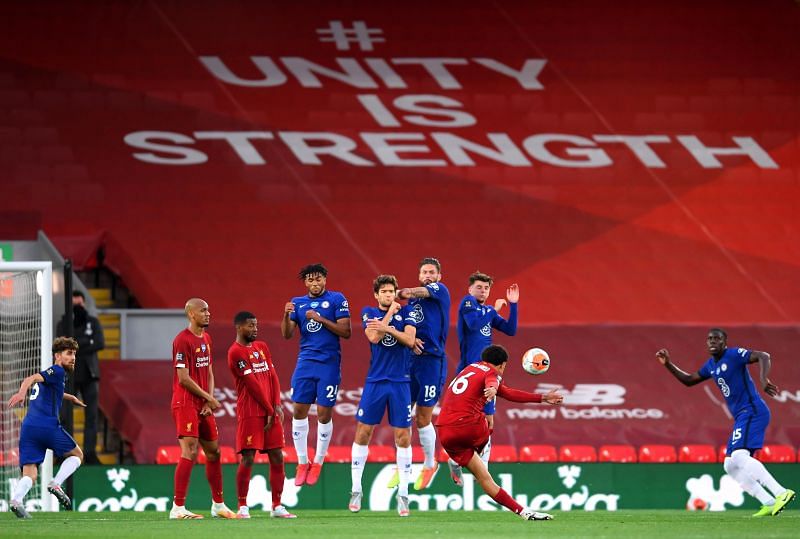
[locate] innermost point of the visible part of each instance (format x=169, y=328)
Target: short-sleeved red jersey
x=194, y=353
x=254, y=362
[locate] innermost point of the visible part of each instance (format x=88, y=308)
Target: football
x=535, y=361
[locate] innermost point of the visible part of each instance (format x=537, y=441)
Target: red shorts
x=189, y=422
x=462, y=441
x=250, y=434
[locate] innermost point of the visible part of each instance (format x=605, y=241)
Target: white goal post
x=26, y=339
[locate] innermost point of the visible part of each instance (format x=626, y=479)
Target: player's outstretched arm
x=74, y=400
x=417, y=292
x=683, y=377
x=26, y=384
x=764, y=365
x=518, y=395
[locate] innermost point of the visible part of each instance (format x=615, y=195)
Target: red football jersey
x=463, y=399
x=194, y=353
x=251, y=364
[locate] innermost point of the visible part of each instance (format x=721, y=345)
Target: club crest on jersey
x=388, y=340
x=398, y=317
x=203, y=347
x=325, y=304
x=189, y=426
x=486, y=330
x=249, y=440
x=255, y=354
x=313, y=326
x=417, y=315
x=724, y=367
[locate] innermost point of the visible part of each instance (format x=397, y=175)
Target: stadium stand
x=616, y=453
x=658, y=453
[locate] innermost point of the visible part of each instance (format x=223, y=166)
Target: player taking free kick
x=462, y=425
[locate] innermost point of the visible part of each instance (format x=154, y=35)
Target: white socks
x=324, y=431
x=751, y=475
x=403, y=469
x=300, y=438
x=427, y=439
x=358, y=458
x=67, y=468
x=21, y=489
x=486, y=453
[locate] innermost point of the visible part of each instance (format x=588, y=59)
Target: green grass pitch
x=428, y=525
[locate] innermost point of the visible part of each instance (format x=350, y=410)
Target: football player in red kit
x=462, y=427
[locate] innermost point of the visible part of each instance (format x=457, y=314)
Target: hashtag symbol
x=359, y=33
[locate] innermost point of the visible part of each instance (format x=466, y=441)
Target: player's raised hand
x=553, y=397
x=404, y=293
x=394, y=308
x=311, y=314
x=770, y=389
x=499, y=303
x=15, y=399
x=288, y=308
x=512, y=293
x=663, y=356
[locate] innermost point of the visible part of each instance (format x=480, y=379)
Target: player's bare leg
x=427, y=439
x=183, y=471
x=300, y=439
x=324, y=432
x=358, y=459
x=485, y=480
x=214, y=477
x=277, y=477
x=402, y=441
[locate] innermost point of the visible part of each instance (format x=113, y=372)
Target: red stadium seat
x=338, y=453
x=382, y=453
x=577, y=453
x=617, y=453
x=168, y=454
x=777, y=453
x=657, y=453
x=697, y=453
x=538, y=453
x=503, y=453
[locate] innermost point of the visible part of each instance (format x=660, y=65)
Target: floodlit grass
x=335, y=524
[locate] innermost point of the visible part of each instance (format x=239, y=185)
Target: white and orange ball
x=535, y=361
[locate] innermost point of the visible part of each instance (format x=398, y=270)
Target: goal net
x=26, y=305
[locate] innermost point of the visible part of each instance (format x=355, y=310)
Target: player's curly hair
x=494, y=354
x=719, y=330
x=482, y=277
x=312, y=269
x=64, y=343
x=431, y=260
x=242, y=317
x=381, y=280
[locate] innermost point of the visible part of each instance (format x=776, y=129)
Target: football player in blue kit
x=728, y=368
x=323, y=317
x=430, y=304
x=391, y=331
x=476, y=320
x=41, y=429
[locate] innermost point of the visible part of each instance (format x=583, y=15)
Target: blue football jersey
x=390, y=360
x=733, y=378
x=316, y=342
x=46, y=397
x=432, y=316
x=475, y=324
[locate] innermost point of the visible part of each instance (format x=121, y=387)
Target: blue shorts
x=378, y=396
x=316, y=382
x=35, y=440
x=748, y=432
x=428, y=374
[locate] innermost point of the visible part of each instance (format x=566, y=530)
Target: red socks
x=277, y=475
x=183, y=472
x=214, y=476
x=243, y=483
x=503, y=498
